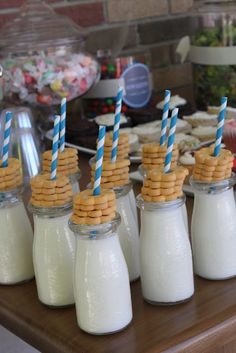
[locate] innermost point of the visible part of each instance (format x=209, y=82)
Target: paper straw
x=116, y=128
x=63, y=124
x=99, y=159
x=6, y=141
x=220, y=126
x=171, y=140
x=165, y=118
x=55, y=146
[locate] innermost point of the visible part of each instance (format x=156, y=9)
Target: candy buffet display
x=132, y=72
x=49, y=64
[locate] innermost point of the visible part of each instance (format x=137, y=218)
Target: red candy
x=44, y=99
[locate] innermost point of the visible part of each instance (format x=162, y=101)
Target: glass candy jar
x=213, y=229
x=165, y=253
x=101, y=281
x=213, y=52
x=16, y=239
x=53, y=255
x=48, y=64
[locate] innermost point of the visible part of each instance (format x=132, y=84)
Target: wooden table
x=206, y=324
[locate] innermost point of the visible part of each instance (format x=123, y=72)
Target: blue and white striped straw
x=171, y=140
x=116, y=128
x=63, y=124
x=6, y=142
x=99, y=160
x=165, y=117
x=220, y=126
x=55, y=145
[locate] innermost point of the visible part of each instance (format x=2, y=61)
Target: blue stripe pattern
x=6, y=141
x=165, y=117
x=99, y=160
x=171, y=140
x=220, y=126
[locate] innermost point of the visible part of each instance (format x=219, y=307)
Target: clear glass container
x=43, y=58
x=165, y=253
x=114, y=72
x=53, y=255
x=16, y=239
x=74, y=180
x=102, y=291
x=128, y=231
x=213, y=52
x=213, y=229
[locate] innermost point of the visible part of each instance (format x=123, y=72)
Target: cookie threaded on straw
x=220, y=126
x=99, y=160
x=165, y=117
x=55, y=146
x=63, y=124
x=171, y=139
x=6, y=141
x=116, y=127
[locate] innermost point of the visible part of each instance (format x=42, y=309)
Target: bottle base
x=17, y=283
x=168, y=303
x=51, y=306
x=215, y=278
x=105, y=333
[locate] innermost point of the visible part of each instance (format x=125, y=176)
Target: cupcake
x=187, y=160
x=186, y=142
x=201, y=119
x=176, y=102
x=204, y=133
x=230, y=112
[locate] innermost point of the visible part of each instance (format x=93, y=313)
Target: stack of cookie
x=50, y=193
x=10, y=176
x=67, y=161
x=160, y=187
x=153, y=156
x=113, y=174
x=123, y=146
x=91, y=210
x=210, y=168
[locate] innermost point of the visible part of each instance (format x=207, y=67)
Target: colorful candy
x=45, y=79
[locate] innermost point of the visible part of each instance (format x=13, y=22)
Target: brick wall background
x=132, y=26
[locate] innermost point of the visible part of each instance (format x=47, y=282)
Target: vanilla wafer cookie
x=113, y=174
x=93, y=209
x=210, y=168
x=160, y=187
x=10, y=176
x=50, y=193
x=67, y=161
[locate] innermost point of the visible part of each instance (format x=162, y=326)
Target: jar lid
x=38, y=27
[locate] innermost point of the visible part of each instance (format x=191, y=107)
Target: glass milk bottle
x=74, y=181
x=213, y=229
x=53, y=255
x=102, y=290
x=16, y=239
x=128, y=230
x=166, y=258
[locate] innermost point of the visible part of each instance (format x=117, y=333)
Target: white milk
x=129, y=235
x=102, y=291
x=132, y=201
x=53, y=255
x=166, y=259
x=185, y=216
x=16, y=239
x=214, y=234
